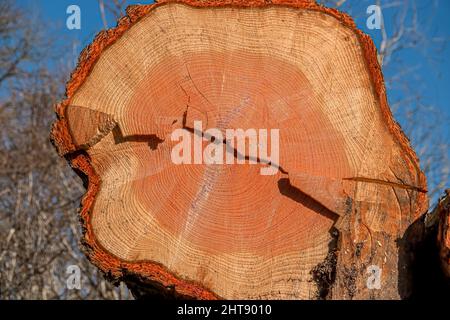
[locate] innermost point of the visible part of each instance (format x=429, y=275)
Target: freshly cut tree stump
x=328, y=218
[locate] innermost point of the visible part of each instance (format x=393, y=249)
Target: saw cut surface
x=226, y=227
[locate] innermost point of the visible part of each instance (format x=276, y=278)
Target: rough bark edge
x=60, y=135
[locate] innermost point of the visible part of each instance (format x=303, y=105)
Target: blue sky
x=430, y=80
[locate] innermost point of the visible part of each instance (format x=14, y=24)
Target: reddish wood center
x=232, y=208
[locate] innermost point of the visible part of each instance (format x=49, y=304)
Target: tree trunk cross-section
x=347, y=186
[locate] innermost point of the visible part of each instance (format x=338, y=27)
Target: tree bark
x=338, y=218
x=443, y=212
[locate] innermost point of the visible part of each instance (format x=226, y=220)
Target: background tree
x=39, y=195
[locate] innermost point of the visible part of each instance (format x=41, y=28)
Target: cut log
x=442, y=211
x=324, y=219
